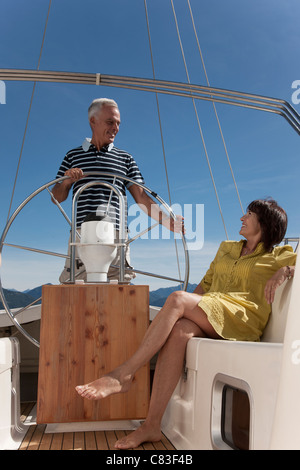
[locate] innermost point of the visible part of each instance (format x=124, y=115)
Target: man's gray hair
x=98, y=103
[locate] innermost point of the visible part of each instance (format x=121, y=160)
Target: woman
x=233, y=301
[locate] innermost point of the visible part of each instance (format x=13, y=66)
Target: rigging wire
x=215, y=109
x=160, y=127
x=198, y=120
x=28, y=114
x=157, y=101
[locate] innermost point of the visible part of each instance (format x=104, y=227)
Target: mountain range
x=16, y=299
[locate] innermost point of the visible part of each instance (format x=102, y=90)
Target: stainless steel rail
x=200, y=92
x=122, y=219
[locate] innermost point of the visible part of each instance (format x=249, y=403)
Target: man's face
x=105, y=125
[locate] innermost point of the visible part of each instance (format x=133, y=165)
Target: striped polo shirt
x=109, y=159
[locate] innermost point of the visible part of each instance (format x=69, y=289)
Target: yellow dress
x=234, y=300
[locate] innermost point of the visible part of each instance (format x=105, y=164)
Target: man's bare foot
x=105, y=386
x=144, y=433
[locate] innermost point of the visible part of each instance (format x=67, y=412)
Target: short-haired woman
x=233, y=302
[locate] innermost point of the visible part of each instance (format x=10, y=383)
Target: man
x=99, y=154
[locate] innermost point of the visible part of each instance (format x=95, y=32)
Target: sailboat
x=220, y=402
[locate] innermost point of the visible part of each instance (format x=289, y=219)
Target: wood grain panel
x=87, y=330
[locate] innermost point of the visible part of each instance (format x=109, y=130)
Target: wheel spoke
x=142, y=233
x=36, y=250
x=160, y=276
x=25, y=308
x=62, y=210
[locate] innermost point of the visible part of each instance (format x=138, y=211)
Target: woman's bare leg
x=167, y=373
x=178, y=305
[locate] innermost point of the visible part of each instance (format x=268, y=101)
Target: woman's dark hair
x=273, y=221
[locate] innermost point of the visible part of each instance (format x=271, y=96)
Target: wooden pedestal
x=86, y=331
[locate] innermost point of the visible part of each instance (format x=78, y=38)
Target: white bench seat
x=193, y=417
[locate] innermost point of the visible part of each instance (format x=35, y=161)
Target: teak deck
x=37, y=439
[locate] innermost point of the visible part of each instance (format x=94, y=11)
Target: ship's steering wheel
x=13, y=315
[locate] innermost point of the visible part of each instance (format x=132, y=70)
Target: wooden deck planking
x=37, y=439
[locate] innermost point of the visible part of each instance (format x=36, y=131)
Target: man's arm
x=152, y=209
x=61, y=190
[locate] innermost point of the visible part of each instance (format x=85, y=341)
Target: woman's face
x=250, y=226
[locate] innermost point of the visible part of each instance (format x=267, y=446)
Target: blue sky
x=250, y=46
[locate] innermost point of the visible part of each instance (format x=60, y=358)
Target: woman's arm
x=286, y=272
x=199, y=290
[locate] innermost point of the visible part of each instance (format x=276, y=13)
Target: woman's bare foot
x=145, y=433
x=105, y=386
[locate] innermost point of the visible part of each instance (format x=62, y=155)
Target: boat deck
x=37, y=439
